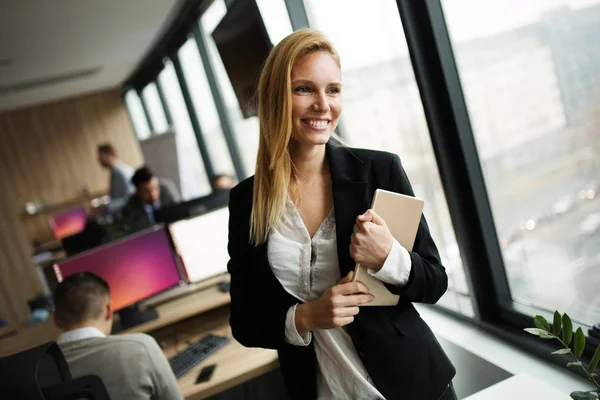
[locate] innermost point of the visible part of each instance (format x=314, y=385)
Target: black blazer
x=398, y=349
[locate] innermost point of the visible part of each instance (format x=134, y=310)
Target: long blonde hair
x=274, y=170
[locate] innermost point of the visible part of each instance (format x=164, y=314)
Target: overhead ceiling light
x=49, y=80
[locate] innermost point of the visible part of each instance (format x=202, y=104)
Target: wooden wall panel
x=48, y=153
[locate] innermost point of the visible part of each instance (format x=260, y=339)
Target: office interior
x=493, y=108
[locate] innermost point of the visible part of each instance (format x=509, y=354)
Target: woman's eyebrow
x=309, y=82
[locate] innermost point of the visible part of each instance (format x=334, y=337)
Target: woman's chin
x=314, y=138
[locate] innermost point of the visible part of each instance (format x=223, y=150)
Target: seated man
x=131, y=366
x=151, y=194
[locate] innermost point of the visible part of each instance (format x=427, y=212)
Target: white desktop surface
x=521, y=386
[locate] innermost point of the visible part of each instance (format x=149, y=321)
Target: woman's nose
x=321, y=104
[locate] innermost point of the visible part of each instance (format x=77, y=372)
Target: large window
x=278, y=26
x=204, y=107
x=532, y=86
x=136, y=112
x=155, y=108
x=192, y=175
x=382, y=110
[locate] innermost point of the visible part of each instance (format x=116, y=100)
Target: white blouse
x=307, y=267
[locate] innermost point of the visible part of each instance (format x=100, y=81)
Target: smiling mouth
x=318, y=124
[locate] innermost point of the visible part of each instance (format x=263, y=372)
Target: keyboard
x=183, y=362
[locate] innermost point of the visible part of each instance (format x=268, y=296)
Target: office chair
x=42, y=373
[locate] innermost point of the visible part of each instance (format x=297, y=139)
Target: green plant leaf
x=574, y=364
x=567, y=333
x=583, y=396
x=541, y=323
x=595, y=360
x=545, y=335
x=579, y=343
x=562, y=351
x=535, y=331
x=557, y=323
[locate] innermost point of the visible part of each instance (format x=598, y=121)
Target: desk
x=235, y=363
x=181, y=321
x=7, y=331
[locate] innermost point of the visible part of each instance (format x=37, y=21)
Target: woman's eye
x=335, y=90
x=302, y=89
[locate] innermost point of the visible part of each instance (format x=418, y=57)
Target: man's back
x=120, y=181
x=132, y=367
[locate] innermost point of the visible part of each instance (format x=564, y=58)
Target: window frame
x=461, y=172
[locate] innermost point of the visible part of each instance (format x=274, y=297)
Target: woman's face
x=316, y=98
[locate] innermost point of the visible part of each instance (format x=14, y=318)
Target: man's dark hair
x=142, y=175
x=80, y=297
x=107, y=148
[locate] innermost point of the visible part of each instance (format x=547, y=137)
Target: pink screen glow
x=135, y=268
x=68, y=223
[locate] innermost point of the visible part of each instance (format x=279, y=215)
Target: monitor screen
x=136, y=267
x=68, y=222
x=202, y=244
x=194, y=207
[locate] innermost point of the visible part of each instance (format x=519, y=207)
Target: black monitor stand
x=132, y=316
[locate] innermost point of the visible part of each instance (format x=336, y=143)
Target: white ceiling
x=46, y=39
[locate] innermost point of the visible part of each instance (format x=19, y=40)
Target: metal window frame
x=146, y=111
x=462, y=177
x=163, y=101
x=124, y=91
x=297, y=13
x=189, y=104
x=225, y=120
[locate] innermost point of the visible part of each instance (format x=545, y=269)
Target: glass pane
x=205, y=107
x=155, y=108
x=192, y=175
x=136, y=111
x=382, y=110
x=274, y=15
x=532, y=86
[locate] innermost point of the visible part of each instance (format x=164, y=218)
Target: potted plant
x=562, y=330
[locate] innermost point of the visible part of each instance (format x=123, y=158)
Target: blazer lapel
x=349, y=199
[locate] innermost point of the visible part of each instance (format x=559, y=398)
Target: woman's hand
x=336, y=307
x=371, y=242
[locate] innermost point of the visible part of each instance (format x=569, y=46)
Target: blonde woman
x=296, y=230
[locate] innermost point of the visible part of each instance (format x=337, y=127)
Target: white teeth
x=318, y=123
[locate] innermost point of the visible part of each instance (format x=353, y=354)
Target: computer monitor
x=194, y=207
x=136, y=267
x=68, y=222
x=93, y=235
x=202, y=244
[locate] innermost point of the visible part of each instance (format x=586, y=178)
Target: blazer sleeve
x=256, y=320
x=428, y=280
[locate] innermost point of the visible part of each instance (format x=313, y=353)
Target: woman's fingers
x=351, y=300
x=350, y=288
